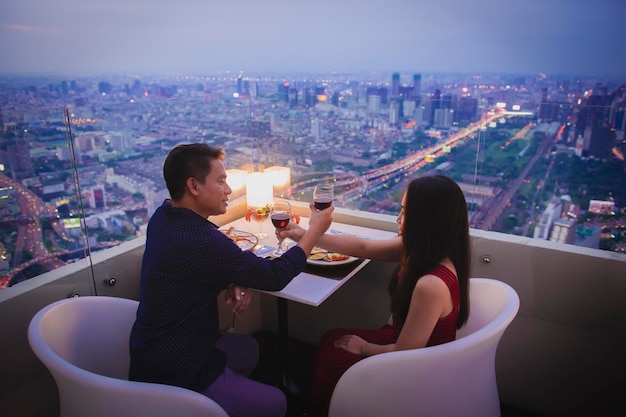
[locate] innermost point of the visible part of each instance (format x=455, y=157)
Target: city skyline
x=364, y=144
x=556, y=37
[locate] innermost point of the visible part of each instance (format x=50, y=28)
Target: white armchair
x=453, y=379
x=84, y=343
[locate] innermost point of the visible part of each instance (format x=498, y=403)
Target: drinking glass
x=259, y=215
x=323, y=196
x=280, y=215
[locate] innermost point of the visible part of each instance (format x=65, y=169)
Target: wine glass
x=323, y=196
x=280, y=215
x=259, y=215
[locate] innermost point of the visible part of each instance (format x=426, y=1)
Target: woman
x=429, y=291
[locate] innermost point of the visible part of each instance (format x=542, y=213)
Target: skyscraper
x=395, y=84
x=18, y=155
x=596, y=122
x=417, y=86
x=394, y=112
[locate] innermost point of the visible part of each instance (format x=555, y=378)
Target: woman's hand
x=352, y=343
x=239, y=297
x=291, y=231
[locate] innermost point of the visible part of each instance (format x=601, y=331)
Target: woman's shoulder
x=431, y=285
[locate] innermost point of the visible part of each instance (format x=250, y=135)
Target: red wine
x=280, y=220
x=322, y=203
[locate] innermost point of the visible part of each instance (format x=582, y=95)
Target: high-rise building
x=119, y=140
x=395, y=84
x=435, y=103
x=377, y=91
x=261, y=129
x=548, y=217
x=443, y=118
x=316, y=128
x=596, y=123
x=240, y=83
x=417, y=86
x=564, y=231
x=283, y=92
x=373, y=104
x=18, y=155
x=293, y=97
x=408, y=108
x=394, y=112
x=466, y=109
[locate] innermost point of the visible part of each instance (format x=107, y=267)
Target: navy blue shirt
x=187, y=262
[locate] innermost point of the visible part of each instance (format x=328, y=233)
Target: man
x=186, y=264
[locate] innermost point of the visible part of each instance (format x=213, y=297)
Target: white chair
x=453, y=379
x=84, y=343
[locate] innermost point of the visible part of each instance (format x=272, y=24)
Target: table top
x=311, y=287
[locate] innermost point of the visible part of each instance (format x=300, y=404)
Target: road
x=494, y=214
x=29, y=233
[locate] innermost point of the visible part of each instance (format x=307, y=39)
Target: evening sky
x=571, y=37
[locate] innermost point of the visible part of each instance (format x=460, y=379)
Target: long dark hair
x=435, y=227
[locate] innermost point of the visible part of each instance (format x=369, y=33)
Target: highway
x=376, y=178
x=29, y=233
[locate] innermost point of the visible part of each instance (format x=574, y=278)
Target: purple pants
x=238, y=395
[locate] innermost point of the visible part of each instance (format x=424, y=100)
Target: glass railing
x=82, y=158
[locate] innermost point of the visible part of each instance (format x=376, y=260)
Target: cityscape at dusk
x=528, y=151
x=523, y=105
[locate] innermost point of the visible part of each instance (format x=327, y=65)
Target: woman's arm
x=377, y=249
x=430, y=301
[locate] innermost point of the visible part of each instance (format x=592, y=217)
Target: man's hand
x=239, y=297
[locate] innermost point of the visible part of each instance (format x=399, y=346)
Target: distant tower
x=408, y=108
x=563, y=231
x=97, y=196
x=309, y=97
x=435, y=103
x=417, y=85
x=246, y=87
x=240, y=83
x=394, y=112
x=595, y=123
x=548, y=217
x=254, y=89
x=373, y=104
x=316, y=128
x=395, y=84
x=283, y=92
x=18, y=155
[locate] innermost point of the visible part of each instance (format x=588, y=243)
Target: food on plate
x=334, y=257
x=319, y=254
x=237, y=238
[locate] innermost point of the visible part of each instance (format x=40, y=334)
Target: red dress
x=331, y=362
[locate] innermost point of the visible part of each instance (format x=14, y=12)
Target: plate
x=331, y=263
x=245, y=240
x=322, y=262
